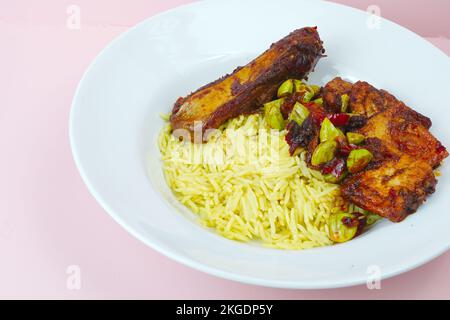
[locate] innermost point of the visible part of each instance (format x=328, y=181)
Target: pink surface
x=49, y=221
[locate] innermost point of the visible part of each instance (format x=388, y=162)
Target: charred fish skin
x=248, y=87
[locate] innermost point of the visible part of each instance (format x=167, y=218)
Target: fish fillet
x=400, y=176
x=248, y=87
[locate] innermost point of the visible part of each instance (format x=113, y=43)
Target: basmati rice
x=244, y=184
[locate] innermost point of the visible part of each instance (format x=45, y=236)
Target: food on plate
x=393, y=188
x=248, y=87
x=297, y=165
x=391, y=121
x=244, y=184
x=406, y=152
x=345, y=226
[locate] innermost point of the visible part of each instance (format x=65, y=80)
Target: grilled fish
x=248, y=87
x=389, y=119
x=393, y=186
x=400, y=176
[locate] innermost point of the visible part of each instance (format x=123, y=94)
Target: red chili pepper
x=286, y=108
x=339, y=119
x=441, y=149
x=347, y=148
x=344, y=147
x=329, y=166
x=336, y=167
x=317, y=112
x=318, y=117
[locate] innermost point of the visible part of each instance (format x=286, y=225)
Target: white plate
x=114, y=124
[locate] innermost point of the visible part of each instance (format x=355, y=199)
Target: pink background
x=49, y=221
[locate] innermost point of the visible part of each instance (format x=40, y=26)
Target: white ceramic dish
x=115, y=121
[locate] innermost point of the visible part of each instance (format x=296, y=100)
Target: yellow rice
x=244, y=184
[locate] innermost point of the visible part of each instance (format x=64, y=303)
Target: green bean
x=324, y=152
x=308, y=96
x=318, y=101
x=338, y=230
x=332, y=179
x=286, y=88
x=358, y=159
x=299, y=113
x=299, y=85
x=355, y=138
x=328, y=131
x=315, y=89
x=273, y=115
